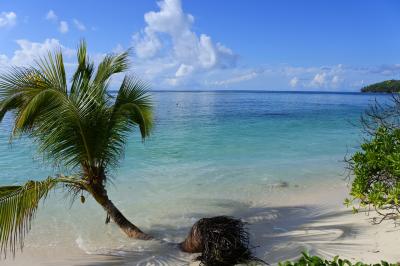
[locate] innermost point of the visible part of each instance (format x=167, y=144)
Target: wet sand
x=280, y=229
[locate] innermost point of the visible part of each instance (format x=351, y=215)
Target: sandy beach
x=280, y=230
x=125, y=123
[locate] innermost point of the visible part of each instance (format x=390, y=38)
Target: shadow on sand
x=277, y=234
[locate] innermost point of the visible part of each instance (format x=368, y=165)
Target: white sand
x=280, y=230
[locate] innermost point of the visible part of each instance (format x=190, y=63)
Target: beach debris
x=279, y=184
x=282, y=184
x=221, y=240
x=83, y=199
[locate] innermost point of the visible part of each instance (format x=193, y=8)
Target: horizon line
x=266, y=91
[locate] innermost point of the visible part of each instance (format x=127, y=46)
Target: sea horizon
x=266, y=91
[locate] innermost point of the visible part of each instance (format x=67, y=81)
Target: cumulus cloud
x=118, y=49
x=63, y=27
x=146, y=45
x=330, y=77
x=386, y=70
x=51, y=15
x=167, y=71
x=184, y=70
x=7, y=19
x=29, y=51
x=3, y=61
x=169, y=34
x=79, y=25
x=237, y=79
x=319, y=80
x=294, y=82
x=335, y=81
x=284, y=77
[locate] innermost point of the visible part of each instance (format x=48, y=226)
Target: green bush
x=376, y=170
x=309, y=260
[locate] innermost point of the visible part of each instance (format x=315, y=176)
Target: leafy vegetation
x=377, y=173
x=387, y=86
x=376, y=167
x=308, y=260
x=76, y=124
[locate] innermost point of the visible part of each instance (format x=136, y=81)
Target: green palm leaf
x=18, y=206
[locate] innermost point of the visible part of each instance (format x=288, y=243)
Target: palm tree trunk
x=100, y=195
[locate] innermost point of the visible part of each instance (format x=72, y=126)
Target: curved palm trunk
x=100, y=195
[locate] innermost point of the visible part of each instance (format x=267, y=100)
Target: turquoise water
x=289, y=136
x=210, y=153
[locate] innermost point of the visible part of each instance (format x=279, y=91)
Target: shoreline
x=281, y=230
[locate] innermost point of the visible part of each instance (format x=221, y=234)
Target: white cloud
x=51, y=15
x=169, y=35
x=319, y=80
x=29, y=51
x=283, y=77
x=3, y=62
x=329, y=77
x=335, y=81
x=236, y=79
x=387, y=70
x=118, y=49
x=63, y=27
x=184, y=70
x=146, y=45
x=79, y=25
x=294, y=82
x=7, y=19
x=167, y=71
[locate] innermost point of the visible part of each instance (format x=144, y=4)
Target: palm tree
x=82, y=128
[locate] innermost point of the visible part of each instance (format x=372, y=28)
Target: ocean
x=211, y=153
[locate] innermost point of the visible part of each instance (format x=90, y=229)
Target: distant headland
x=387, y=86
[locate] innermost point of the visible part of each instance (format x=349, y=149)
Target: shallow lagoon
x=211, y=153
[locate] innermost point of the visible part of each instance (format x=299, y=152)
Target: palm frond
x=84, y=71
x=30, y=92
x=52, y=68
x=111, y=64
x=18, y=206
x=132, y=108
x=6, y=190
x=15, y=84
x=134, y=103
x=30, y=114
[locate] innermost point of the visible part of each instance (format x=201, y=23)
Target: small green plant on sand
x=308, y=260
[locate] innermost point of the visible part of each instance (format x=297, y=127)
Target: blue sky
x=208, y=44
